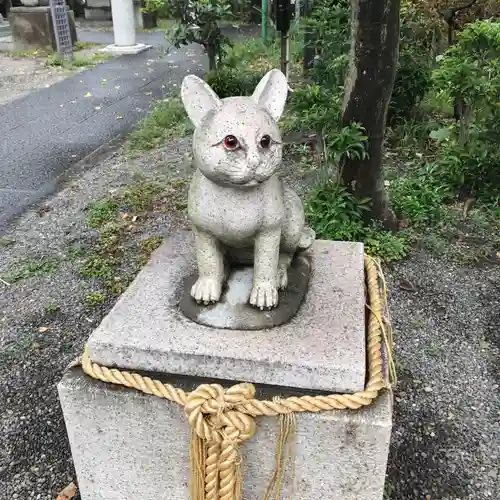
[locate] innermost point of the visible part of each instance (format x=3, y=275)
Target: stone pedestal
x=32, y=28
x=129, y=445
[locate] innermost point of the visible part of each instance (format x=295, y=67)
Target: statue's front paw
x=264, y=295
x=206, y=290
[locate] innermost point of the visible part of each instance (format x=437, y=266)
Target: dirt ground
x=21, y=75
x=446, y=436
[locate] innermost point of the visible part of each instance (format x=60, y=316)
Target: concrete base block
x=127, y=49
x=32, y=28
x=128, y=445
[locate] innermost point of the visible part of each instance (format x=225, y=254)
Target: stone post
x=124, y=29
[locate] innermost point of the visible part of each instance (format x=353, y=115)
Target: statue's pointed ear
x=198, y=99
x=271, y=93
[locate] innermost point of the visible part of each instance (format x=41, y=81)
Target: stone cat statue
x=239, y=209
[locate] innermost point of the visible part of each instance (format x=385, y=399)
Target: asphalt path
x=48, y=132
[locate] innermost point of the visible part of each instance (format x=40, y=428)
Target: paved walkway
x=47, y=132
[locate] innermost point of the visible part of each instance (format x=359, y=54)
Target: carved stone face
x=237, y=140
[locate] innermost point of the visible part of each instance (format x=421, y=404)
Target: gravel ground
x=21, y=75
x=446, y=441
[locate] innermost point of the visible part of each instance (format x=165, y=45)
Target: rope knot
x=210, y=412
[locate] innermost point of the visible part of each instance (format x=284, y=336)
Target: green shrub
x=253, y=55
x=413, y=80
x=228, y=82
x=472, y=169
x=315, y=107
x=330, y=23
x=418, y=197
x=469, y=75
x=335, y=214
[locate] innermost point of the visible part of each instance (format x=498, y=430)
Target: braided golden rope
x=223, y=418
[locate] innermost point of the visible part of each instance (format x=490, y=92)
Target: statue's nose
x=253, y=159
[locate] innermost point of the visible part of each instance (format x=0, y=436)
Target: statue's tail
x=306, y=239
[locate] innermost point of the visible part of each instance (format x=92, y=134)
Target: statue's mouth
x=250, y=183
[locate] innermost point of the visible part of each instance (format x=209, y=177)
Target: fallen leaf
x=483, y=344
x=87, y=94
x=43, y=329
x=67, y=493
x=407, y=285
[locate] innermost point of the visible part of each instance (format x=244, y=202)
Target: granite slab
x=322, y=348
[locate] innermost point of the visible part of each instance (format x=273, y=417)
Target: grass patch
x=41, y=52
x=79, y=45
x=99, y=265
x=49, y=53
x=167, y=119
x=52, y=308
x=147, y=246
x=118, y=253
x=94, y=299
x=27, y=269
x=130, y=202
x=78, y=61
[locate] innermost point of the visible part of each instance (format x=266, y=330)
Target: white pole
x=123, y=22
x=124, y=29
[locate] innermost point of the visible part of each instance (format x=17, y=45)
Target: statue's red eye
x=231, y=142
x=265, y=142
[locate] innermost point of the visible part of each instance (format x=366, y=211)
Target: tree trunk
x=212, y=57
x=368, y=90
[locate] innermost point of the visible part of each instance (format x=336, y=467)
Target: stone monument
x=32, y=26
x=240, y=362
